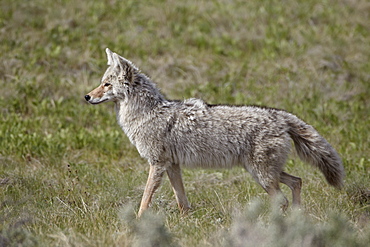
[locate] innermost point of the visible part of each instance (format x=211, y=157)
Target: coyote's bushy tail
x=315, y=150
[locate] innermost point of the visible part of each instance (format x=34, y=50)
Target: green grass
x=70, y=177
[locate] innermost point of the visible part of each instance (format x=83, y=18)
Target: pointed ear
x=127, y=69
x=109, y=56
x=116, y=60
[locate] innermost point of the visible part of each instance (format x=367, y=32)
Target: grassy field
x=70, y=177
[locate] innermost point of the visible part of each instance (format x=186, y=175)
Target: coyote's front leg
x=154, y=180
x=174, y=174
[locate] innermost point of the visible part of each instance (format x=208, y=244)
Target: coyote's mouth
x=96, y=103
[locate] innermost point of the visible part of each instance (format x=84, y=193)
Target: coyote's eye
x=107, y=84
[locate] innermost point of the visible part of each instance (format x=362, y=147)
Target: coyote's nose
x=87, y=97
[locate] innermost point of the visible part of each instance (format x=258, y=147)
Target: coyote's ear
x=109, y=56
x=127, y=69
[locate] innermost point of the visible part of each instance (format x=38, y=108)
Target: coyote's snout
x=100, y=94
x=192, y=133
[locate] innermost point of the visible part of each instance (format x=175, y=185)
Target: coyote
x=192, y=133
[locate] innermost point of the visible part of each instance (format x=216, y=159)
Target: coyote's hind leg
x=274, y=192
x=269, y=181
x=295, y=184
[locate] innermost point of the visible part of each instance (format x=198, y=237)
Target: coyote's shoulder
x=192, y=133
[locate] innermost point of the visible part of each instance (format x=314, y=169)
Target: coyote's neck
x=135, y=111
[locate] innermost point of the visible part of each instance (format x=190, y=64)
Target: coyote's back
x=195, y=134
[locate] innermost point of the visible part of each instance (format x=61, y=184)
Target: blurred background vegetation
x=68, y=173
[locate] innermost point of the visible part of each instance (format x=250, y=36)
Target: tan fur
x=97, y=92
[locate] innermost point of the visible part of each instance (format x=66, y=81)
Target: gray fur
x=192, y=133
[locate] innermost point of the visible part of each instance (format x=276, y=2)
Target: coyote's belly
x=207, y=155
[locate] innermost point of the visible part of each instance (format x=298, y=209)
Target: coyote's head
x=120, y=76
